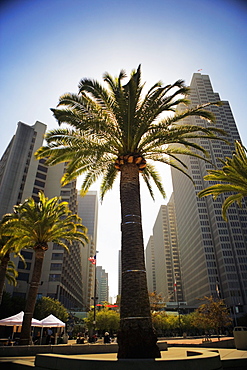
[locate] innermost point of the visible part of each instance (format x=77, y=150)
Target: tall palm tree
x=232, y=178
x=117, y=130
x=33, y=225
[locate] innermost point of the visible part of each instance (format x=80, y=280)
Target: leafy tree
x=186, y=322
x=232, y=177
x=118, y=130
x=156, y=301
x=213, y=314
x=34, y=225
x=160, y=321
x=106, y=320
x=46, y=306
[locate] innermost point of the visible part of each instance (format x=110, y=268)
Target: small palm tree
x=34, y=225
x=233, y=178
x=7, y=267
x=117, y=130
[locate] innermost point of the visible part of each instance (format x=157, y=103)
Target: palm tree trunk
x=31, y=298
x=3, y=270
x=136, y=338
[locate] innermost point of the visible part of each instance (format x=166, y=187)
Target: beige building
x=150, y=265
x=22, y=176
x=162, y=256
x=213, y=252
x=102, y=285
x=88, y=211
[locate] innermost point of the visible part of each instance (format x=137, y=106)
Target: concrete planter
x=201, y=359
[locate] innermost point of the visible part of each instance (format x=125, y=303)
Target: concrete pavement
x=178, y=348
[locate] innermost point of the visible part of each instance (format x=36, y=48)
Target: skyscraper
x=102, y=285
x=213, y=252
x=22, y=176
x=88, y=211
x=150, y=265
x=162, y=257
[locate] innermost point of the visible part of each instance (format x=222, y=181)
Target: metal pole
x=95, y=297
x=179, y=323
x=94, y=300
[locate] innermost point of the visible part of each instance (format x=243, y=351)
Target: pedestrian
x=107, y=338
x=49, y=335
x=37, y=338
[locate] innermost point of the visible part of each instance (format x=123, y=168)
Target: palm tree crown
x=116, y=126
x=232, y=178
x=34, y=225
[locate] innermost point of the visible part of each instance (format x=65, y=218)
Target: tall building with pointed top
x=22, y=176
x=213, y=252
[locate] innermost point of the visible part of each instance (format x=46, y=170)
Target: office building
x=102, y=285
x=150, y=265
x=212, y=251
x=22, y=176
x=88, y=211
x=162, y=256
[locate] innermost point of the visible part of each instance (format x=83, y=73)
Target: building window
x=57, y=256
x=57, y=247
x=39, y=183
x=54, y=277
x=24, y=276
x=27, y=255
x=41, y=175
x=22, y=266
x=56, y=266
x=42, y=168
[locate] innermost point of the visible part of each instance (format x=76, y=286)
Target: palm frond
x=229, y=201
x=110, y=175
x=151, y=172
x=232, y=177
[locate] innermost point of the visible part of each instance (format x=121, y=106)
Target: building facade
x=22, y=176
x=88, y=211
x=102, y=285
x=150, y=265
x=213, y=252
x=162, y=256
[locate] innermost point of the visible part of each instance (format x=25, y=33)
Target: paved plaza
x=177, y=348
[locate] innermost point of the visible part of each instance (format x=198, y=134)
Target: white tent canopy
x=16, y=320
x=51, y=321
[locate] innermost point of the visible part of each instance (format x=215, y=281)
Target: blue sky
x=47, y=46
